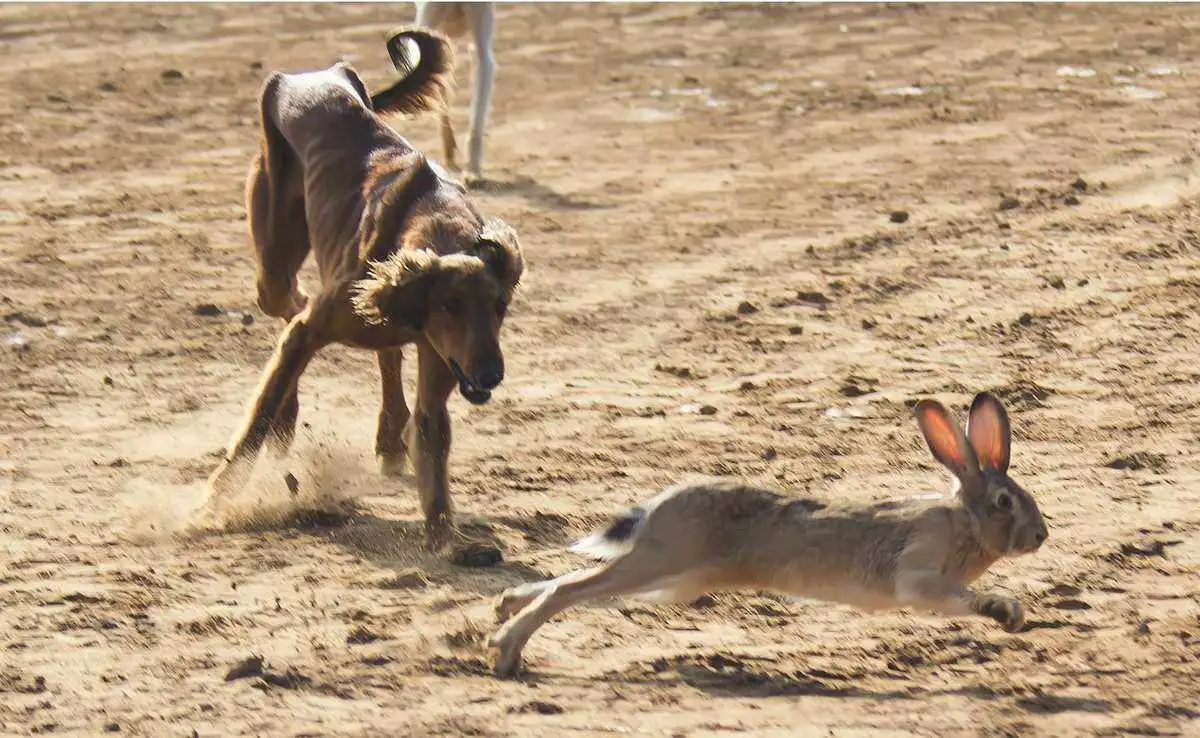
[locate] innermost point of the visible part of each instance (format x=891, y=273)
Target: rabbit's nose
x=1041, y=536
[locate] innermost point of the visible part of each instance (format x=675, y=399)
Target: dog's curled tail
x=615, y=539
x=425, y=83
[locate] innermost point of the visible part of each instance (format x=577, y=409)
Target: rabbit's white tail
x=614, y=540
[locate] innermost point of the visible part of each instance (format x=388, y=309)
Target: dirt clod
x=540, y=707
x=476, y=555
x=1138, y=461
x=813, y=297
x=249, y=667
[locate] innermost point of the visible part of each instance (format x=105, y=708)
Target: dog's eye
x=501, y=308
x=452, y=306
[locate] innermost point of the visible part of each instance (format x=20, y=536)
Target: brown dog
x=404, y=257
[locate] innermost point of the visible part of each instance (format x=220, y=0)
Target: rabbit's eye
x=1004, y=502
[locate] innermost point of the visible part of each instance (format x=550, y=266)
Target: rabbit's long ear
x=989, y=432
x=947, y=442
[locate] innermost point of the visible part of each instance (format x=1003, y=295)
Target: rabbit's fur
x=693, y=539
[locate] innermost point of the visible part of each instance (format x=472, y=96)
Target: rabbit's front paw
x=1004, y=610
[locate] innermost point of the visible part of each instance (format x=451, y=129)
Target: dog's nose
x=490, y=374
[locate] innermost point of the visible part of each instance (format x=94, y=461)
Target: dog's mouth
x=474, y=394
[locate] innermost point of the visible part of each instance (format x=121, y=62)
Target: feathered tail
x=425, y=83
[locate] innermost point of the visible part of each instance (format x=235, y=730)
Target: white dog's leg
x=481, y=17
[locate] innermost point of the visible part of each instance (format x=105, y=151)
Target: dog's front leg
x=393, y=415
x=428, y=440
x=277, y=387
x=283, y=428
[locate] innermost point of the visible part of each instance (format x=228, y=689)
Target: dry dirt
x=663, y=164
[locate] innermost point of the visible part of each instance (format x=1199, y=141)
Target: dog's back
x=309, y=107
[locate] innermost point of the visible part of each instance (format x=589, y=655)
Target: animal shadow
x=530, y=189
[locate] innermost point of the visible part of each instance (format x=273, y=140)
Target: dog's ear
x=396, y=290
x=499, y=249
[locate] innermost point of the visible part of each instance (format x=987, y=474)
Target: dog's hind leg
x=393, y=415
x=280, y=243
x=296, y=347
x=275, y=211
x=428, y=440
x=449, y=18
x=449, y=145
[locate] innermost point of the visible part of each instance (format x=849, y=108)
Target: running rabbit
x=693, y=539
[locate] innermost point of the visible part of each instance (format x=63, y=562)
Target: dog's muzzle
x=475, y=393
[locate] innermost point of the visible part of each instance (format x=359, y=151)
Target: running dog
x=404, y=257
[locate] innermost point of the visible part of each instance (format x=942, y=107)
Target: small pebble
x=746, y=307
x=172, y=74
x=1010, y=203
x=898, y=216
x=708, y=410
x=1071, y=200
x=1080, y=185
x=207, y=310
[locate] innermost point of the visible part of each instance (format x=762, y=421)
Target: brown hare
x=693, y=539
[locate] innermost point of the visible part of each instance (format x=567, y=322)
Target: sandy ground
x=663, y=164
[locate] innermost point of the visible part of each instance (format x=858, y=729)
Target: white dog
x=455, y=20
